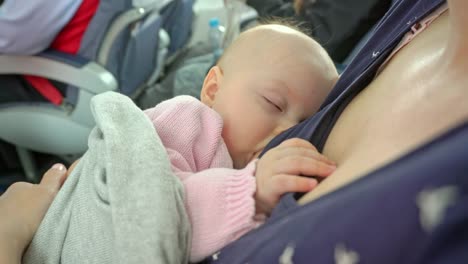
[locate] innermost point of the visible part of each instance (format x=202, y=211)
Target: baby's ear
x=211, y=85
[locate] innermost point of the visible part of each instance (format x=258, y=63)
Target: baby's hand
x=278, y=172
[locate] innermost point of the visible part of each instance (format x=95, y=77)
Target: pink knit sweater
x=219, y=199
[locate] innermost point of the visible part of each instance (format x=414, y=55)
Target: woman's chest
x=400, y=110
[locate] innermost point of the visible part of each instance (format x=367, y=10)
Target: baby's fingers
x=284, y=183
x=297, y=143
x=300, y=165
x=305, y=152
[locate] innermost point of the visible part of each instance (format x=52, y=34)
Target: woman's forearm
x=9, y=251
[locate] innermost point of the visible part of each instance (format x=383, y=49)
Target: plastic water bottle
x=216, y=35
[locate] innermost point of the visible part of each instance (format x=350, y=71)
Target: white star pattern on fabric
x=433, y=203
x=215, y=255
x=345, y=256
x=288, y=253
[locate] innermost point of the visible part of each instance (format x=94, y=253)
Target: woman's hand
x=22, y=208
x=288, y=168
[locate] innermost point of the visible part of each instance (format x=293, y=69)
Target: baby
x=271, y=78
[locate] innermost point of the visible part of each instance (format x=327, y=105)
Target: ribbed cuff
x=240, y=201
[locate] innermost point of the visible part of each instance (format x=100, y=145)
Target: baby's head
x=270, y=78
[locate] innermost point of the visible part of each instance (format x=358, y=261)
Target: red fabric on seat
x=68, y=41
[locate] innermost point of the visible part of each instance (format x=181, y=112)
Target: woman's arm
x=23, y=207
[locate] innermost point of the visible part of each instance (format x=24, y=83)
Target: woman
x=411, y=205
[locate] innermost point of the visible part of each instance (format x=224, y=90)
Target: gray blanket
x=122, y=203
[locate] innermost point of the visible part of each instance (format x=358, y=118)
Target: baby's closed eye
x=273, y=104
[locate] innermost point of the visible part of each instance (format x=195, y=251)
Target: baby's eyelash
x=275, y=105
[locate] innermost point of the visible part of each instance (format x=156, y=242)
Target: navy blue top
x=413, y=210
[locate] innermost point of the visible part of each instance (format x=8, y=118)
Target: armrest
x=63, y=67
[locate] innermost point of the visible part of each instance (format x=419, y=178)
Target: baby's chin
x=238, y=164
x=241, y=163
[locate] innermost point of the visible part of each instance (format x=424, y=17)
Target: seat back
x=177, y=21
x=123, y=37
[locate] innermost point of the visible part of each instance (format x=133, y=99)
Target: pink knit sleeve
x=219, y=200
x=221, y=207
x=192, y=132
